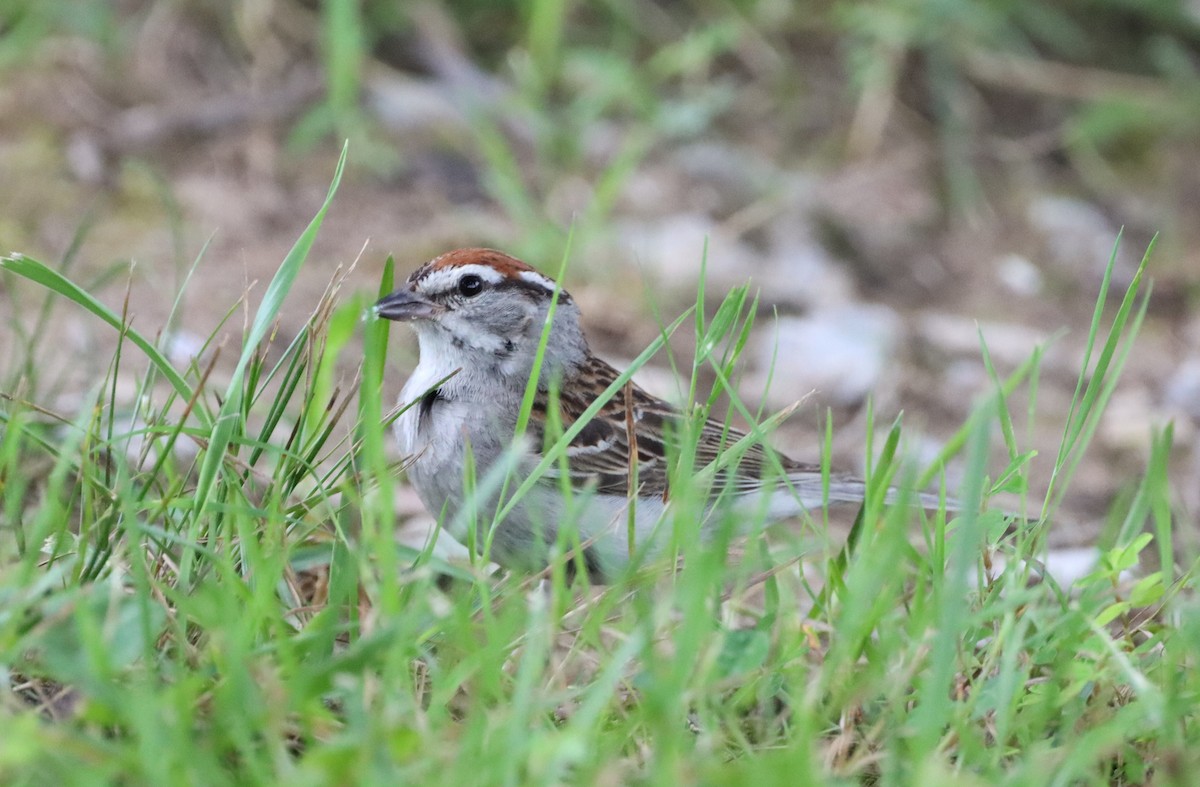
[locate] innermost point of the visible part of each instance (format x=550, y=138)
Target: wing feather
x=599, y=456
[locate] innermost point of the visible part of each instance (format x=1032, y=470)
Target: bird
x=479, y=316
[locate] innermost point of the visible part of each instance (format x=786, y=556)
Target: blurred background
x=893, y=178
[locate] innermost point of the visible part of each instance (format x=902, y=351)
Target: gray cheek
x=509, y=321
x=482, y=331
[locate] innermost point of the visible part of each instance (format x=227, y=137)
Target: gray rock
x=955, y=335
x=1132, y=416
x=804, y=274
x=736, y=176
x=839, y=352
x=795, y=272
x=672, y=250
x=799, y=270
x=1066, y=566
x=1019, y=275
x=414, y=106
x=1182, y=391
x=1078, y=238
x=182, y=347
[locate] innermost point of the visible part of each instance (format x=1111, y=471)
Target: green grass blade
x=38, y=273
x=229, y=419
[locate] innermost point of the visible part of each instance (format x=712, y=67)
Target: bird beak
x=406, y=306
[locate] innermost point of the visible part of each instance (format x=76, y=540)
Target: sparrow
x=479, y=316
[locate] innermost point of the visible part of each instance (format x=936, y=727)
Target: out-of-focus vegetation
x=1095, y=86
x=199, y=573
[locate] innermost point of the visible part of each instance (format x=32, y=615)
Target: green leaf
x=1148, y=590
x=744, y=650
x=1112, y=612
x=37, y=272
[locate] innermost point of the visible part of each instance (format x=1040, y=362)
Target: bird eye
x=470, y=285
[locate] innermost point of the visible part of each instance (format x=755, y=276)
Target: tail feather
x=847, y=489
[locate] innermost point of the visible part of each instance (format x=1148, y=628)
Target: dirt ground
x=177, y=149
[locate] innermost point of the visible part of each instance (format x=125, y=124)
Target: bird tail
x=847, y=489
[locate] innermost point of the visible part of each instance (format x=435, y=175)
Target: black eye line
x=530, y=289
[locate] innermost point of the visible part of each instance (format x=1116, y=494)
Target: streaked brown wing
x=599, y=456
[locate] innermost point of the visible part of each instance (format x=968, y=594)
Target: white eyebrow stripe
x=533, y=277
x=444, y=279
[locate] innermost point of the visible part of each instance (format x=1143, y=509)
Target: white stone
x=1019, y=275
x=1008, y=344
x=839, y=352
x=803, y=273
x=1182, y=390
x=673, y=250
x=1078, y=237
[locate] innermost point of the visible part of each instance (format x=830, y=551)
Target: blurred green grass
x=241, y=612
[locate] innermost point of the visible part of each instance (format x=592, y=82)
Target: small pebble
x=839, y=352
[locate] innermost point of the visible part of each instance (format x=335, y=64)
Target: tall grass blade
x=229, y=418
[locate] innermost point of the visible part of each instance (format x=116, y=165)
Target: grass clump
x=209, y=590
